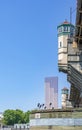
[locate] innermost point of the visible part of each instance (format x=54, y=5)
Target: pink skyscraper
x=51, y=92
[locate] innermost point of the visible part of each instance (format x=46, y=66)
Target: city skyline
x=29, y=50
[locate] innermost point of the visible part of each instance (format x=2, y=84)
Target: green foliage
x=12, y=117
x=26, y=116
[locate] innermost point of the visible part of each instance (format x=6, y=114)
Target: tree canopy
x=17, y=116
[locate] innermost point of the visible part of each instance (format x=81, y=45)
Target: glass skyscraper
x=51, y=92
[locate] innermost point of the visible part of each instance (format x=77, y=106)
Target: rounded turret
x=65, y=30
x=65, y=95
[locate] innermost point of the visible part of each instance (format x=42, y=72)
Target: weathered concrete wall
x=57, y=120
x=70, y=113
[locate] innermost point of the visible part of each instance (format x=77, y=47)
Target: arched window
x=65, y=28
x=60, y=44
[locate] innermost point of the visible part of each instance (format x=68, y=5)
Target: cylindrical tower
x=65, y=95
x=65, y=30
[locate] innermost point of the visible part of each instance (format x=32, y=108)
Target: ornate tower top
x=65, y=28
x=65, y=90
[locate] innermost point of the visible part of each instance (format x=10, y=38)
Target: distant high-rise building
x=51, y=92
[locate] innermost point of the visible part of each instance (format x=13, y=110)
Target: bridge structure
x=70, y=55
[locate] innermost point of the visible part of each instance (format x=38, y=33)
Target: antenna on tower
x=70, y=15
x=70, y=20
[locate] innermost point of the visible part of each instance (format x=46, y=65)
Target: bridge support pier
x=75, y=96
x=80, y=104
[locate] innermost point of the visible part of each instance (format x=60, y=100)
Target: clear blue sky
x=28, y=49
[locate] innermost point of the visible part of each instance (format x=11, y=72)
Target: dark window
x=65, y=28
x=60, y=30
x=60, y=44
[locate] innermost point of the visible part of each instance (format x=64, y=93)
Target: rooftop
x=65, y=88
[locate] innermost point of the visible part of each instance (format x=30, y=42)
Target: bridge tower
x=65, y=30
x=70, y=60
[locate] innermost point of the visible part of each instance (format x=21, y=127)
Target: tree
x=26, y=116
x=9, y=117
x=42, y=105
x=50, y=104
x=19, y=116
x=13, y=116
x=38, y=105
